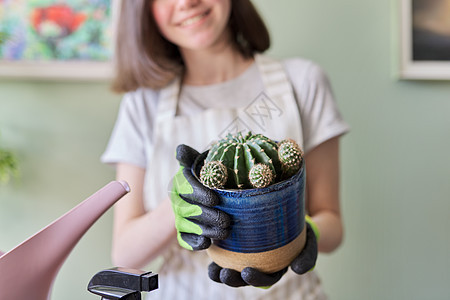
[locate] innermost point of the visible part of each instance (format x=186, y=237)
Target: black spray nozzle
x=122, y=283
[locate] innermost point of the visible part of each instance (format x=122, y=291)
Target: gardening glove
x=196, y=219
x=306, y=260
x=303, y=263
x=248, y=276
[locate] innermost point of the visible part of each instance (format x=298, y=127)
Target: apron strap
x=278, y=86
x=168, y=100
x=274, y=76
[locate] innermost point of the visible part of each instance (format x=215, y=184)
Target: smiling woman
x=158, y=61
x=193, y=70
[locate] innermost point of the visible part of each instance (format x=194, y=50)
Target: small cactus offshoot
x=214, y=174
x=290, y=155
x=260, y=176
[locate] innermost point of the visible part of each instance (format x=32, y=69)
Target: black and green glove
x=303, y=263
x=306, y=260
x=196, y=219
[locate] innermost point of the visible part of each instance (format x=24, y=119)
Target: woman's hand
x=304, y=262
x=196, y=220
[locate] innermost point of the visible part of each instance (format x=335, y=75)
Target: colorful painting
x=55, y=30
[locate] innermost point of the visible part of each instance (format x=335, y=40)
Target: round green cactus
x=250, y=161
x=240, y=153
x=260, y=176
x=290, y=155
x=214, y=174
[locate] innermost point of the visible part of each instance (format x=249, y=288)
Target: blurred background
x=395, y=161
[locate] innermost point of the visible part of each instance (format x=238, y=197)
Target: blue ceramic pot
x=267, y=220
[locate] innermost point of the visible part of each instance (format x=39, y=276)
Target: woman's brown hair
x=144, y=58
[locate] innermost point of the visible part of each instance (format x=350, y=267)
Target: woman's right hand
x=196, y=219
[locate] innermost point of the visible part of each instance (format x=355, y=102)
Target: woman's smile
x=192, y=25
x=194, y=19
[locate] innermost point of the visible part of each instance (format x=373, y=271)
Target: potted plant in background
x=8, y=161
x=8, y=165
x=261, y=185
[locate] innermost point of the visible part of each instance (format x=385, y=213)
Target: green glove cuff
x=313, y=226
x=264, y=287
x=183, y=209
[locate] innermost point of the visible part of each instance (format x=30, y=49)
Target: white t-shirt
x=321, y=119
x=132, y=140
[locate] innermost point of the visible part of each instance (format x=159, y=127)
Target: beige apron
x=273, y=113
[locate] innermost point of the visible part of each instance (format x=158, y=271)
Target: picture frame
x=425, y=40
x=54, y=40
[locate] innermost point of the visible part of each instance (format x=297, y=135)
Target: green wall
x=58, y=131
x=395, y=166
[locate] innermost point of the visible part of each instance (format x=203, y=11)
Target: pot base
x=267, y=262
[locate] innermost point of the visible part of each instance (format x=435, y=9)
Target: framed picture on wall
x=53, y=39
x=425, y=39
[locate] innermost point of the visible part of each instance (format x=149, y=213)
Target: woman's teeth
x=193, y=19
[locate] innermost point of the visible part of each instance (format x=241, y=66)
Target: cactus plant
x=251, y=161
x=240, y=153
x=290, y=155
